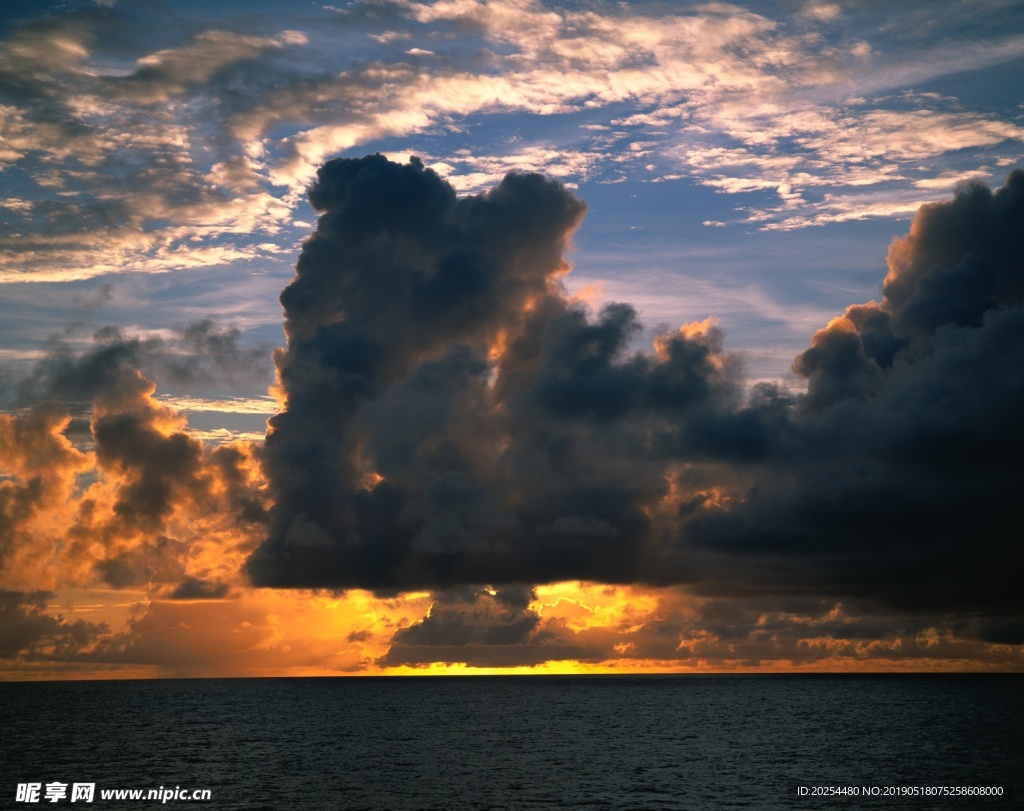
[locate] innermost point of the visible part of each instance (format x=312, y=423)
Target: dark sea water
x=558, y=742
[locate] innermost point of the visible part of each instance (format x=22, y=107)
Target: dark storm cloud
x=757, y=631
x=485, y=629
x=474, y=628
x=401, y=295
x=432, y=346
x=904, y=483
x=27, y=630
x=454, y=418
x=193, y=588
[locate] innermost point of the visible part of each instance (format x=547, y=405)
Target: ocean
x=544, y=742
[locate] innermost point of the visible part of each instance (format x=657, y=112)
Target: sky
x=502, y=336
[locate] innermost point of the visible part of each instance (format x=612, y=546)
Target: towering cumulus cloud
x=453, y=418
x=903, y=484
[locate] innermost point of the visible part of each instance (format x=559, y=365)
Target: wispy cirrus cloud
x=194, y=152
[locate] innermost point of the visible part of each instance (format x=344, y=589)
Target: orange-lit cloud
x=575, y=628
x=146, y=507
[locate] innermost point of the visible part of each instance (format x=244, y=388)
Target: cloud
x=198, y=354
x=600, y=628
x=469, y=173
x=902, y=476
x=477, y=628
x=226, y=405
x=566, y=627
x=116, y=182
x=253, y=633
x=86, y=304
x=28, y=631
x=454, y=418
x=33, y=112
x=143, y=503
x=841, y=162
x=168, y=73
x=821, y=12
x=456, y=279
x=192, y=588
x=131, y=156
x=38, y=469
x=164, y=507
x=482, y=426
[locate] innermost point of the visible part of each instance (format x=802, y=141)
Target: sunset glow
x=509, y=337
